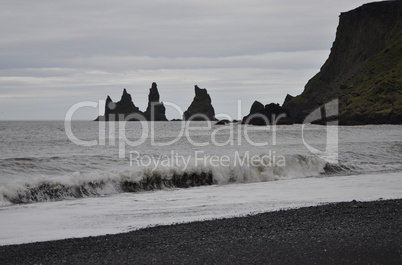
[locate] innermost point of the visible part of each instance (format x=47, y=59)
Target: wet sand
x=341, y=233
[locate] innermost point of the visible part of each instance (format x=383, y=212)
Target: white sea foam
x=137, y=179
x=129, y=211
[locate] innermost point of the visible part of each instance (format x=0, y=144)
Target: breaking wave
x=140, y=179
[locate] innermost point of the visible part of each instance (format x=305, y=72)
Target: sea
x=63, y=179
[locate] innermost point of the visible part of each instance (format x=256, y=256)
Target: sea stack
x=155, y=110
x=122, y=110
x=266, y=115
x=201, y=108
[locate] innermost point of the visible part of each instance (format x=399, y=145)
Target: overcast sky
x=54, y=54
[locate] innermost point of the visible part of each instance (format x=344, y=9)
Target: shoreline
x=335, y=233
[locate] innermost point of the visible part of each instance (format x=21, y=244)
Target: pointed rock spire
x=155, y=110
x=120, y=110
x=201, y=107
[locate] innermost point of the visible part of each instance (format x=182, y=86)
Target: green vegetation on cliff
x=364, y=69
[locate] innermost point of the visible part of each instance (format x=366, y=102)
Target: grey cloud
x=85, y=49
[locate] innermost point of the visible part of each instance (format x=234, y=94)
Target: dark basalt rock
x=201, y=108
x=124, y=110
x=222, y=122
x=288, y=98
x=257, y=107
x=363, y=70
x=266, y=115
x=109, y=103
x=155, y=110
x=256, y=115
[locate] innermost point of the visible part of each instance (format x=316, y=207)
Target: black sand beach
x=341, y=233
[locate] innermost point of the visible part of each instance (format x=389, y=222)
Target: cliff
x=201, y=107
x=363, y=70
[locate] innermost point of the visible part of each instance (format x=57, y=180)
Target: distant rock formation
x=201, y=107
x=363, y=70
x=155, y=110
x=122, y=110
x=266, y=115
x=125, y=110
x=222, y=122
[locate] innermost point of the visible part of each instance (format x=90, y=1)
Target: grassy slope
x=364, y=69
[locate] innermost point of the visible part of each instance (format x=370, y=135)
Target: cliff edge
x=363, y=70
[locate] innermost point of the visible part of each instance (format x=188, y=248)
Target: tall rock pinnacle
x=155, y=110
x=201, y=107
